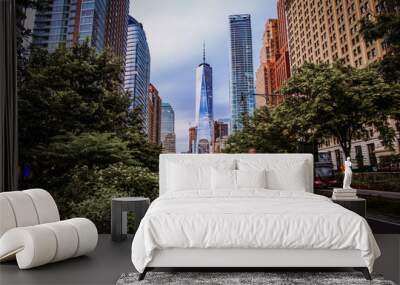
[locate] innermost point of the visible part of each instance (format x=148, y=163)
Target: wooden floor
x=106, y=264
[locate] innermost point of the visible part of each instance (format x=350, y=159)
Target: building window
x=371, y=154
x=373, y=52
x=359, y=156
x=338, y=156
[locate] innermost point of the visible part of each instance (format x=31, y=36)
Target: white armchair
x=31, y=230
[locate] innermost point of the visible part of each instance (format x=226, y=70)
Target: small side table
x=357, y=205
x=119, y=219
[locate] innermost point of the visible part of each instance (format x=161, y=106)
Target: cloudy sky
x=175, y=31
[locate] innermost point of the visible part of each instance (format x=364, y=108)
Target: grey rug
x=236, y=278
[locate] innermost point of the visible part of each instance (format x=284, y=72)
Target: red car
x=324, y=176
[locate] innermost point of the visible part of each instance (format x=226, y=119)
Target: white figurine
x=347, y=174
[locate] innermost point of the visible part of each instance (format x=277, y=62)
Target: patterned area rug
x=243, y=278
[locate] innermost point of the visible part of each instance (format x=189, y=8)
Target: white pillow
x=251, y=178
x=184, y=178
x=194, y=174
x=288, y=175
x=223, y=179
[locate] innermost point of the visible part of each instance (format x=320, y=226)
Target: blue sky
x=175, y=31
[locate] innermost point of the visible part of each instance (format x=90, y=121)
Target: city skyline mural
x=175, y=33
x=199, y=111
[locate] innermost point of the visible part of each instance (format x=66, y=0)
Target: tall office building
x=70, y=22
x=54, y=25
x=137, y=69
x=274, y=69
x=74, y=21
x=266, y=73
x=241, y=64
x=117, y=26
x=326, y=31
x=169, y=143
x=221, y=132
x=204, y=107
x=168, y=138
x=192, y=139
x=154, y=116
x=282, y=64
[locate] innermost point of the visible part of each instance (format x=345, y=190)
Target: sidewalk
x=374, y=193
x=385, y=194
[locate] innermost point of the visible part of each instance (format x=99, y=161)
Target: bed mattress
x=250, y=219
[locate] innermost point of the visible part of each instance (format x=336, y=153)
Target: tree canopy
x=76, y=124
x=339, y=101
x=263, y=132
x=385, y=26
x=323, y=101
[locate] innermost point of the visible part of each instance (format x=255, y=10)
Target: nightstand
x=358, y=205
x=119, y=209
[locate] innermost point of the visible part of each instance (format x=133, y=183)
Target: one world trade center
x=204, y=107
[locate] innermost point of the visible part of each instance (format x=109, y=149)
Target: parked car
x=324, y=176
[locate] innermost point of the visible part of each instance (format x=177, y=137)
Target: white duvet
x=250, y=219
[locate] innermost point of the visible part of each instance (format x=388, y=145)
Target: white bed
x=281, y=225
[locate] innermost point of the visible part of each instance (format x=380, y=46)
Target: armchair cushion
x=31, y=230
x=37, y=245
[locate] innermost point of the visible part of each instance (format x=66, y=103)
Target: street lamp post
x=264, y=95
x=244, y=105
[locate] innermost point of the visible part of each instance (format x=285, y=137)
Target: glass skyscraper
x=204, y=107
x=92, y=22
x=241, y=64
x=70, y=21
x=54, y=25
x=74, y=21
x=137, y=68
x=168, y=139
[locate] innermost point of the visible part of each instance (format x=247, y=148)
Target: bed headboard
x=210, y=159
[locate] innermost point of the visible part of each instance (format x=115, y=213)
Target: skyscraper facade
x=282, y=62
x=221, y=132
x=90, y=22
x=154, y=116
x=168, y=138
x=117, y=26
x=69, y=22
x=204, y=107
x=274, y=69
x=325, y=31
x=241, y=65
x=266, y=83
x=192, y=139
x=169, y=143
x=137, y=69
x=75, y=21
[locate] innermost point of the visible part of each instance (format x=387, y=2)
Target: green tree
x=74, y=116
x=385, y=26
x=338, y=101
x=263, y=132
x=93, y=188
x=22, y=33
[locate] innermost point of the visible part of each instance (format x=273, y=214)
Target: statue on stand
x=347, y=174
